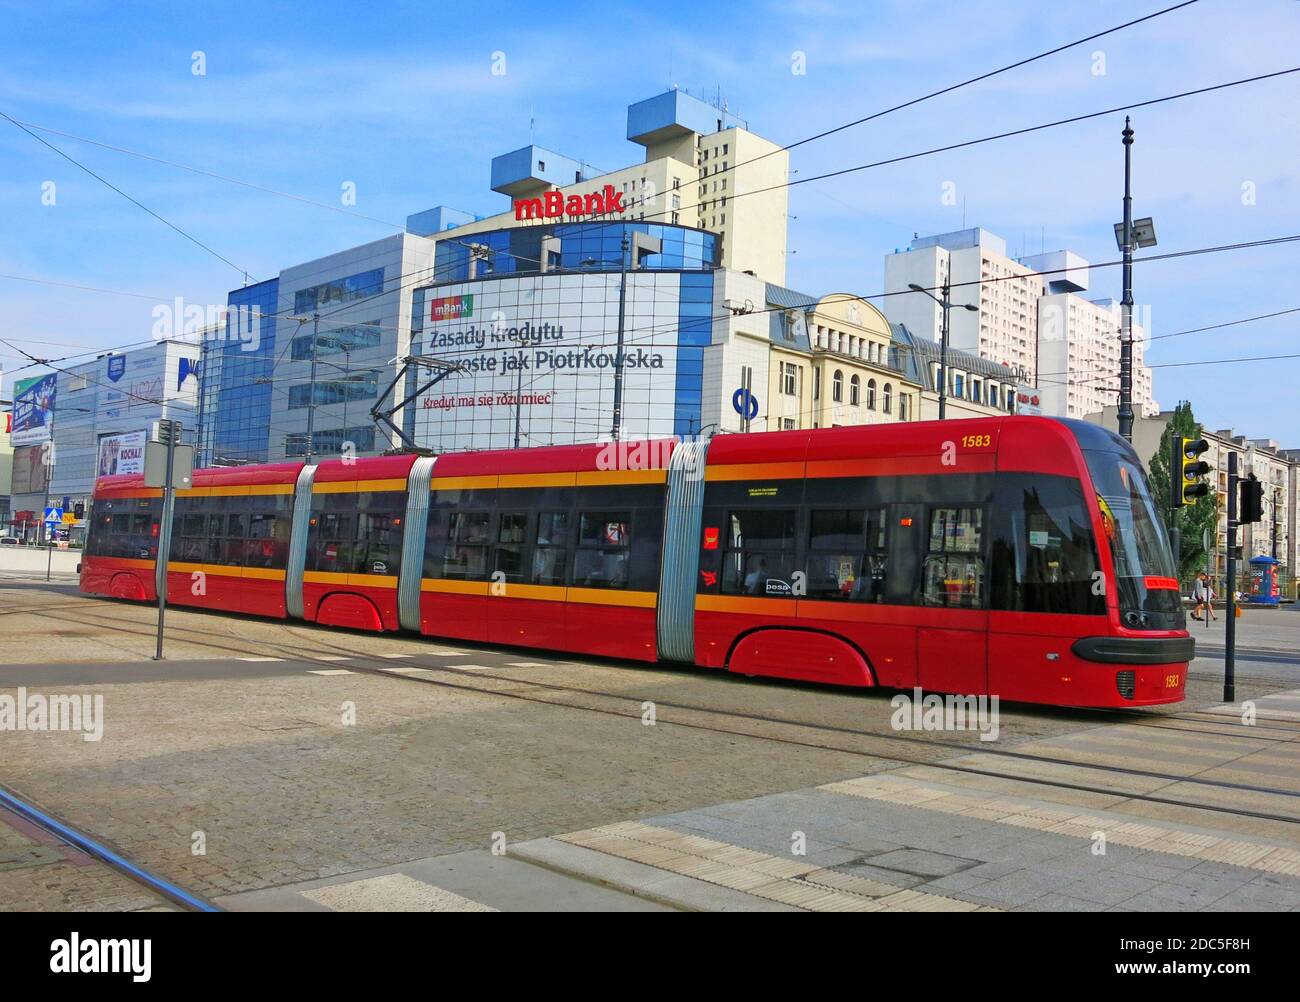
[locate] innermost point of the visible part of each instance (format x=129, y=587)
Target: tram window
x=759, y=555
x=269, y=524
x=1044, y=558
x=378, y=546
x=953, y=572
x=98, y=545
x=602, y=557
x=333, y=538
x=847, y=555
x=512, y=530
x=191, y=541
x=130, y=529
x=551, y=555
x=465, y=551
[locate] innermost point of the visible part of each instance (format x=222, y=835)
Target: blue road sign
x=53, y=516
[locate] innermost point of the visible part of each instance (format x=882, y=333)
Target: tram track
x=890, y=756
x=383, y=667
x=1132, y=717
x=16, y=804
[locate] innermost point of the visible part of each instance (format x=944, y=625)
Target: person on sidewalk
x=1203, y=596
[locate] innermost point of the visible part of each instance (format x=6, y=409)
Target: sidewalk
x=931, y=838
x=33, y=559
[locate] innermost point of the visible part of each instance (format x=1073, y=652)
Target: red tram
x=1015, y=556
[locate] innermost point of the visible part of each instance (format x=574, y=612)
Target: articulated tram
x=1016, y=556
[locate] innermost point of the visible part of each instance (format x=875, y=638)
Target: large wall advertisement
x=549, y=342
x=121, y=453
x=33, y=409
x=31, y=470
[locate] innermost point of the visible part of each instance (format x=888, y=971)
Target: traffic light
x=1251, y=508
x=79, y=511
x=1187, y=470
x=169, y=431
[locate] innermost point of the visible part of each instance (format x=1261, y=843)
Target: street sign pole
x=1206, y=541
x=53, y=517
x=1230, y=627
x=171, y=431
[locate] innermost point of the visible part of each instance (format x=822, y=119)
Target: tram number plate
x=1171, y=681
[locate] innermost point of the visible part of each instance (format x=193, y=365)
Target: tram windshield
x=1144, y=566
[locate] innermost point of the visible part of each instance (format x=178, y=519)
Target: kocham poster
x=122, y=453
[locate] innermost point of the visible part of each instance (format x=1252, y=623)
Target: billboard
x=547, y=346
x=121, y=453
x=34, y=409
x=1028, y=400
x=30, y=470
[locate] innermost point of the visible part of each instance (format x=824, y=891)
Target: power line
x=860, y=167
x=957, y=86
x=669, y=326
x=212, y=174
x=1193, y=330
x=76, y=163
x=27, y=126
x=988, y=139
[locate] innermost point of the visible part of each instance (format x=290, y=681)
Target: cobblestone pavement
x=933, y=839
x=41, y=873
x=290, y=773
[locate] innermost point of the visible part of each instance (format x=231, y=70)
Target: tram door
x=946, y=557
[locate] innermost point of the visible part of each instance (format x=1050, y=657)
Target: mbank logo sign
x=451, y=307
x=554, y=204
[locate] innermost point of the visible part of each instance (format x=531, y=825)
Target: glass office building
x=531, y=315
x=236, y=406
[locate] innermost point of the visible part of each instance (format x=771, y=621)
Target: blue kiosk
x=1263, y=581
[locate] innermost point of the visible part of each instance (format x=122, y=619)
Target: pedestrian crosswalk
x=409, y=670
x=393, y=892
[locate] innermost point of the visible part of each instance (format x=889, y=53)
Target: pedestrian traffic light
x=79, y=511
x=1251, y=508
x=1187, y=470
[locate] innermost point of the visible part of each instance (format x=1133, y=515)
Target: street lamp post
x=519, y=395
x=945, y=304
x=1277, y=498
x=618, y=351
x=1128, y=234
x=311, y=399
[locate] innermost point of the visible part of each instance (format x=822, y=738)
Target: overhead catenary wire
x=801, y=142
x=789, y=146
x=418, y=277
x=134, y=201
x=669, y=326
x=1170, y=255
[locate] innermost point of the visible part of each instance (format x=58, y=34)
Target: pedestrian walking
x=1203, y=596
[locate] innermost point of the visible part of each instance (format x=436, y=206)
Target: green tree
x=1192, y=520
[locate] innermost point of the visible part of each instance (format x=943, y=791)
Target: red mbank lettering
x=554, y=204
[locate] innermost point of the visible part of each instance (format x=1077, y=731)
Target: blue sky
x=400, y=99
